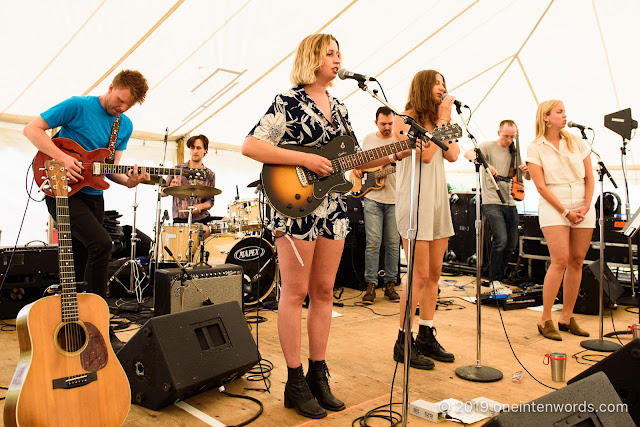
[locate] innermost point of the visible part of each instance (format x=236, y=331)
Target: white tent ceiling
x=214, y=66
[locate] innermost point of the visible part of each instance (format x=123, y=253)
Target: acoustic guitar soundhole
x=71, y=337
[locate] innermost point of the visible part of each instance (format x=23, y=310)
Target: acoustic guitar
x=296, y=192
x=94, y=167
x=68, y=374
x=372, y=179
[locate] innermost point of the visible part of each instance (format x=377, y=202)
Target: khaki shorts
x=572, y=197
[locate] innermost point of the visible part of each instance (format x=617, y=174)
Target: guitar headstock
x=57, y=176
x=445, y=133
x=195, y=174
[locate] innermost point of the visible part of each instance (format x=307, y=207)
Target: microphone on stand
x=458, y=104
x=165, y=216
x=345, y=74
x=237, y=193
x=576, y=125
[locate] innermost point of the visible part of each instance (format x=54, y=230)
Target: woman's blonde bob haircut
x=310, y=57
x=544, y=109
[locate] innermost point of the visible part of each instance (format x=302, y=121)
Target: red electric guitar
x=94, y=167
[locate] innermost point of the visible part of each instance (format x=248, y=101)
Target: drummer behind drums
x=198, y=148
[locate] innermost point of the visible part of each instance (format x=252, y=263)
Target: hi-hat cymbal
x=154, y=180
x=254, y=184
x=185, y=191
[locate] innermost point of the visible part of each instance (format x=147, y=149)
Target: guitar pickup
x=97, y=169
x=75, y=381
x=302, y=177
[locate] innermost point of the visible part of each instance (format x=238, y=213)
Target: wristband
x=565, y=213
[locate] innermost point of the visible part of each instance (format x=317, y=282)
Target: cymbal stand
x=190, y=246
x=137, y=273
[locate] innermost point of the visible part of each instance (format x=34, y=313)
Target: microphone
x=576, y=125
x=344, y=74
x=237, y=193
x=165, y=216
x=166, y=135
x=459, y=104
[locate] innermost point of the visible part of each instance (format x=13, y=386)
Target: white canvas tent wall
x=214, y=67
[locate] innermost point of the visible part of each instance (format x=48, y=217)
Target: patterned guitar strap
x=113, y=138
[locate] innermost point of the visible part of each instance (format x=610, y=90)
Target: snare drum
x=176, y=238
x=245, y=214
x=256, y=256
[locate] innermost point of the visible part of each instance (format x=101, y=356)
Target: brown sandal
x=549, y=331
x=573, y=328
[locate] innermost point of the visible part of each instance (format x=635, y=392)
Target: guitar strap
x=113, y=138
x=344, y=123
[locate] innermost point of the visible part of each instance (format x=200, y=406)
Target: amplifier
x=29, y=265
x=220, y=283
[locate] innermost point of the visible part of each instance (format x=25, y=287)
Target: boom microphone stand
x=600, y=344
x=634, y=299
x=477, y=372
x=415, y=132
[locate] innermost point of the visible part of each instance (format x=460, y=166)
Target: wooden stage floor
x=362, y=367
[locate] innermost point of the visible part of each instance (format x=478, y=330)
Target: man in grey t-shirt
x=380, y=216
x=502, y=217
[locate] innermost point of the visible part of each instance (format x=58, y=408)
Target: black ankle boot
x=318, y=380
x=429, y=345
x=416, y=359
x=298, y=395
x=116, y=344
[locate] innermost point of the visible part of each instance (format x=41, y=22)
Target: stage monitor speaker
x=220, y=283
x=179, y=355
x=590, y=402
x=622, y=367
x=589, y=294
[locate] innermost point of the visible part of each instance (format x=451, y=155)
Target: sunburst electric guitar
x=295, y=191
x=372, y=179
x=68, y=374
x=94, y=167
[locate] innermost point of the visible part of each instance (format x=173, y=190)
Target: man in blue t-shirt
x=89, y=120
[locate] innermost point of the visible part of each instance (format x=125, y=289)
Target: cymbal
x=254, y=184
x=154, y=180
x=185, y=191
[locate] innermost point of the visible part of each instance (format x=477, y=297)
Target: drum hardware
x=204, y=255
x=183, y=278
x=137, y=273
x=194, y=190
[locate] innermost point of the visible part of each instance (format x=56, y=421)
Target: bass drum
x=257, y=258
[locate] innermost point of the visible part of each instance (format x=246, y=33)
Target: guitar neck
x=107, y=168
x=65, y=260
x=352, y=161
x=384, y=172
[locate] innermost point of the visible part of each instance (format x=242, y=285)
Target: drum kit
x=241, y=239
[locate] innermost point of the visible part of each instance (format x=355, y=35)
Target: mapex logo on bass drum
x=249, y=253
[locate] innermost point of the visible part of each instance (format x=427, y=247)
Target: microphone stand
x=477, y=372
x=634, y=299
x=416, y=132
x=156, y=234
x=600, y=344
x=186, y=276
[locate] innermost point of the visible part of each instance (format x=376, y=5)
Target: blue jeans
x=379, y=219
x=503, y=221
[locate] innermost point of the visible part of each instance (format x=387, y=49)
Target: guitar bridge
x=302, y=177
x=75, y=381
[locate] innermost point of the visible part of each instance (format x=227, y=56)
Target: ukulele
x=67, y=373
x=296, y=192
x=517, y=185
x=94, y=167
